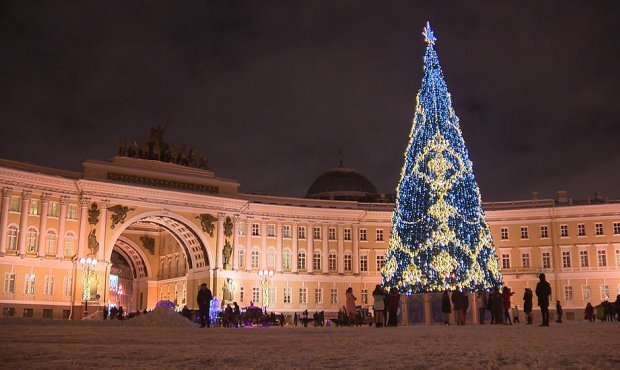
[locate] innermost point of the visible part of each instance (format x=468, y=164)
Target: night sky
x=273, y=90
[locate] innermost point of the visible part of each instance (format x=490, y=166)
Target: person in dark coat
x=204, y=302
x=458, y=299
x=393, y=302
x=105, y=312
x=589, y=313
x=497, y=306
x=446, y=307
x=506, y=294
x=543, y=292
x=528, y=296
x=618, y=306
x=558, y=312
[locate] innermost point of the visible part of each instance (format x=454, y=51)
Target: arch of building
x=135, y=257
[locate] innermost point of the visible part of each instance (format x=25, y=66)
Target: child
x=515, y=314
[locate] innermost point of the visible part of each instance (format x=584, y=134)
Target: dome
x=342, y=184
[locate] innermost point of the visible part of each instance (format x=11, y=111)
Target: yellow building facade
x=158, y=230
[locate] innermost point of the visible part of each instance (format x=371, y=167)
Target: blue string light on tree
x=440, y=238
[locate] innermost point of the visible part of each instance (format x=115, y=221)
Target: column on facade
x=220, y=240
x=310, y=256
x=263, y=244
x=279, y=246
x=62, y=224
x=23, y=222
x=83, y=232
x=4, y=219
x=235, y=254
x=248, y=244
x=45, y=203
x=295, y=246
x=103, y=219
x=356, y=249
x=325, y=257
x=340, y=237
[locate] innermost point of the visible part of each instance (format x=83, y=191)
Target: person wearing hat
x=543, y=292
x=204, y=302
x=527, y=305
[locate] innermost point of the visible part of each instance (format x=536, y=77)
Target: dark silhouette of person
x=527, y=304
x=204, y=302
x=543, y=291
x=446, y=307
x=105, y=312
x=559, y=312
x=393, y=301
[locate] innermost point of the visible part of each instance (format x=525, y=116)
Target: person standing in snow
x=446, y=307
x=458, y=300
x=482, y=301
x=204, y=302
x=515, y=314
x=393, y=302
x=558, y=311
x=527, y=304
x=350, y=305
x=506, y=293
x=378, y=305
x=543, y=291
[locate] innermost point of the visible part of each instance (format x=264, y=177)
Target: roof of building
x=342, y=183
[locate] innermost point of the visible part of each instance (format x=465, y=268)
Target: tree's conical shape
x=440, y=238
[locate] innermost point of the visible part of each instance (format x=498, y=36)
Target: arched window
x=31, y=240
x=12, y=238
x=271, y=258
x=50, y=243
x=316, y=261
x=286, y=260
x=255, y=258
x=69, y=244
x=301, y=259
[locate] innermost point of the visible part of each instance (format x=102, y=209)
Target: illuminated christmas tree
x=440, y=238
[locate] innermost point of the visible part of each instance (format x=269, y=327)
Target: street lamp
x=88, y=264
x=264, y=279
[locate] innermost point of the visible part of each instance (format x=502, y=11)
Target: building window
x=9, y=282
x=524, y=232
x=347, y=234
x=12, y=238
x=565, y=259
x=31, y=240
x=271, y=259
x=363, y=235
x=318, y=295
x=28, y=312
x=568, y=293
x=546, y=260
x=586, y=293
x=525, y=260
x=348, y=262
x=332, y=262
x=316, y=261
x=618, y=259
x=316, y=233
x=604, y=292
x=332, y=233
x=581, y=230
x=364, y=296
x=301, y=260
x=50, y=242
x=255, y=294
x=67, y=283
x=34, y=207
x=616, y=228
x=301, y=233
x=364, y=263
x=602, y=257
x=563, y=230
x=505, y=260
x=30, y=284
x=48, y=287
x=52, y=211
x=287, y=295
x=544, y=231
x=241, y=294
x=241, y=258
x=286, y=260
x=380, y=262
x=598, y=228
x=286, y=231
x=16, y=204
x=241, y=228
x=379, y=235
x=72, y=212
x=254, y=259
x=303, y=296
x=69, y=244
x=255, y=230
x=8, y=311
x=504, y=233
x=271, y=230
x=583, y=258
x=48, y=313
x=333, y=296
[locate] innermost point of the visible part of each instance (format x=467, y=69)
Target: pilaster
x=45, y=202
x=4, y=218
x=23, y=223
x=62, y=225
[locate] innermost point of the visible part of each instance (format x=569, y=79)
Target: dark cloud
x=272, y=90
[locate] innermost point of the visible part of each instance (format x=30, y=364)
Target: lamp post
x=265, y=275
x=88, y=264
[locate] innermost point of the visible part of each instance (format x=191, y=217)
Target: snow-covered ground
x=179, y=344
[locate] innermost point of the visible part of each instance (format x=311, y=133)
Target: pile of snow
x=160, y=317
x=95, y=316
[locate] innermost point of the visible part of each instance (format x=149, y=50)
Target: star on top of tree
x=429, y=35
